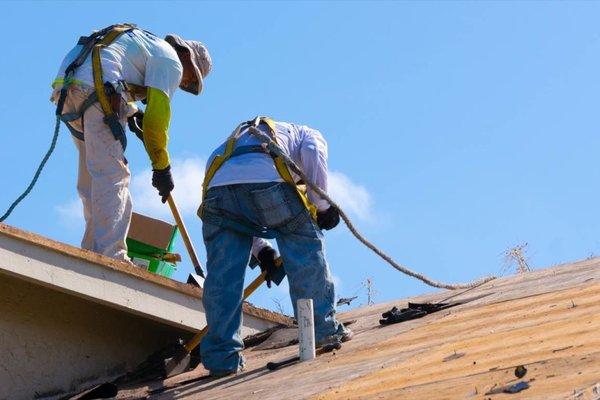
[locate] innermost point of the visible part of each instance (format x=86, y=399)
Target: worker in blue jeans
x=250, y=196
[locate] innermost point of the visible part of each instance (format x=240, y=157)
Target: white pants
x=103, y=181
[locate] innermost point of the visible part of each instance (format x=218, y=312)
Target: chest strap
x=105, y=93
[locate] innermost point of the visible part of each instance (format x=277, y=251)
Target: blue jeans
x=233, y=214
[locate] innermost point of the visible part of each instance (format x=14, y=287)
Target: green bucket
x=149, y=257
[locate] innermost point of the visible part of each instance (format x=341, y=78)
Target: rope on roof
x=276, y=150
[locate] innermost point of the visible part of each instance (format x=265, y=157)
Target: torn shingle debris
x=413, y=311
x=510, y=389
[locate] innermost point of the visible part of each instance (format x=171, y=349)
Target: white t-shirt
x=136, y=57
x=306, y=147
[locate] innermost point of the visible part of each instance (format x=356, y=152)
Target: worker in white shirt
x=96, y=88
x=248, y=194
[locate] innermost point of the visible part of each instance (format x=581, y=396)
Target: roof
x=111, y=265
x=546, y=320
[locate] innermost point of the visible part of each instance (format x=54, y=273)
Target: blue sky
x=456, y=129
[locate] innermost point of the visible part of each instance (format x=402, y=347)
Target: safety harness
x=232, y=151
x=105, y=93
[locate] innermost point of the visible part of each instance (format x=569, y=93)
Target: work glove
x=136, y=122
x=163, y=181
x=267, y=257
x=328, y=219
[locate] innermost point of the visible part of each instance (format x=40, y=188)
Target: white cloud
x=187, y=175
x=337, y=281
x=353, y=198
x=71, y=214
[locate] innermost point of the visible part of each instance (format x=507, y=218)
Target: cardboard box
x=148, y=240
x=153, y=232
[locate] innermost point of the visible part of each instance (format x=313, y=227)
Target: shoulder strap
x=285, y=173
x=219, y=160
x=105, y=41
x=89, y=42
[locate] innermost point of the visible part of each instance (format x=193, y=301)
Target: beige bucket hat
x=197, y=55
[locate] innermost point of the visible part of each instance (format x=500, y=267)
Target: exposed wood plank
x=498, y=336
x=523, y=319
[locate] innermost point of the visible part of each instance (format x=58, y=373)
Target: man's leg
x=111, y=201
x=303, y=253
x=84, y=188
x=227, y=254
x=75, y=98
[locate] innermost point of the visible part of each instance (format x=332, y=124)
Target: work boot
x=221, y=373
x=343, y=334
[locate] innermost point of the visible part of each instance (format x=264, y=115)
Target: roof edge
x=125, y=268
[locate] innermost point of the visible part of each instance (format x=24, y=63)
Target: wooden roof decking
x=547, y=320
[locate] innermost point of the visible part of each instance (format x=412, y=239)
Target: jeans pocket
x=211, y=204
x=273, y=206
x=302, y=225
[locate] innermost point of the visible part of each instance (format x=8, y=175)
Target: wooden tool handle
x=197, y=338
x=185, y=236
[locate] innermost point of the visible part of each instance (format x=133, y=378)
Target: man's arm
x=267, y=258
x=258, y=244
x=313, y=154
x=157, y=117
x=162, y=77
x=313, y=161
x=156, y=128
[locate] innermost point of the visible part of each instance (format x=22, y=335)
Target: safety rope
x=274, y=149
x=37, y=173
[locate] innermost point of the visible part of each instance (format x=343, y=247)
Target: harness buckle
x=116, y=128
x=67, y=80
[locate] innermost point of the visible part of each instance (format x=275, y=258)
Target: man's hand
x=267, y=257
x=136, y=122
x=328, y=219
x=163, y=181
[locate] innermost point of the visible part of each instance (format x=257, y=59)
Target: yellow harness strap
x=286, y=175
x=97, y=67
x=217, y=162
x=280, y=165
